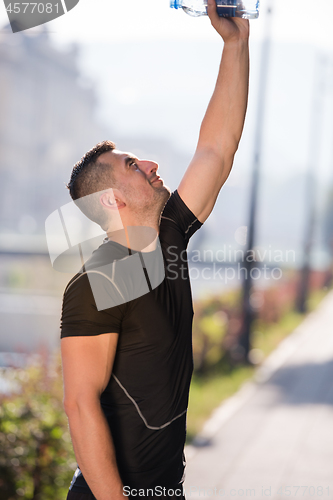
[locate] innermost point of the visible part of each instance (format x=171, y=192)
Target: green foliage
x=207, y=392
x=214, y=318
x=37, y=458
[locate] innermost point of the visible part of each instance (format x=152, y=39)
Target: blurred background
x=141, y=74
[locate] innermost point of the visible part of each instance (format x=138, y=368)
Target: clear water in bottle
x=247, y=9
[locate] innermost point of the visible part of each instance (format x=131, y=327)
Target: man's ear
x=112, y=200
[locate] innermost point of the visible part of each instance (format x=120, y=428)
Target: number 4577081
x=31, y=7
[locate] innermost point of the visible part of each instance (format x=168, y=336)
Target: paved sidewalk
x=274, y=438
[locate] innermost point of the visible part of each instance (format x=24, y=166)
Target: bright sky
x=110, y=20
x=133, y=102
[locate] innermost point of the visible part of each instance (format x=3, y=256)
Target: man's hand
x=229, y=28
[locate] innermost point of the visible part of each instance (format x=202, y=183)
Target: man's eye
x=133, y=164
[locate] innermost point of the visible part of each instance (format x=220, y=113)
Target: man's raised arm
x=222, y=126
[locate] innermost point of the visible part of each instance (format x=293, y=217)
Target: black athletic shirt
x=145, y=401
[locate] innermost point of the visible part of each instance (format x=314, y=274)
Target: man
x=127, y=368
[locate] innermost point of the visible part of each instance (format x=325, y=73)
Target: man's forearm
x=222, y=125
x=94, y=450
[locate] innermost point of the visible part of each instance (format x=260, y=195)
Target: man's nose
x=148, y=166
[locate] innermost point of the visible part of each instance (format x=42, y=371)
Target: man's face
x=137, y=180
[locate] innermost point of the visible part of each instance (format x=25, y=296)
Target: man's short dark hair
x=89, y=175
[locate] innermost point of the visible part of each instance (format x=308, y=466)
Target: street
x=274, y=438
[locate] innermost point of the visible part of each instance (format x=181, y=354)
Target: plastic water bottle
x=247, y=9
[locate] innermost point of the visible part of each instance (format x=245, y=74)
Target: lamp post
x=311, y=182
x=241, y=350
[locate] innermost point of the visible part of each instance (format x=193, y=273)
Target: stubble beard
x=150, y=211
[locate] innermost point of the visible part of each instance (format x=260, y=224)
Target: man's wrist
x=237, y=42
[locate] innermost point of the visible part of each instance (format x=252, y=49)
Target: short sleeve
x=178, y=213
x=80, y=315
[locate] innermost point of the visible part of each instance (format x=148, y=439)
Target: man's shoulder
x=78, y=286
x=104, y=255
x=172, y=207
x=172, y=200
x=176, y=214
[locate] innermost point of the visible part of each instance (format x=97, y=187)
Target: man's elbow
x=229, y=149
x=70, y=406
x=218, y=154
x=74, y=405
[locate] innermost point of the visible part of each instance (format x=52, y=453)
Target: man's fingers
x=218, y=22
x=227, y=27
x=211, y=11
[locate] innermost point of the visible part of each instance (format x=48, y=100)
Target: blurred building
x=47, y=123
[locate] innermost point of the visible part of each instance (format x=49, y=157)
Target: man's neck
x=138, y=238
